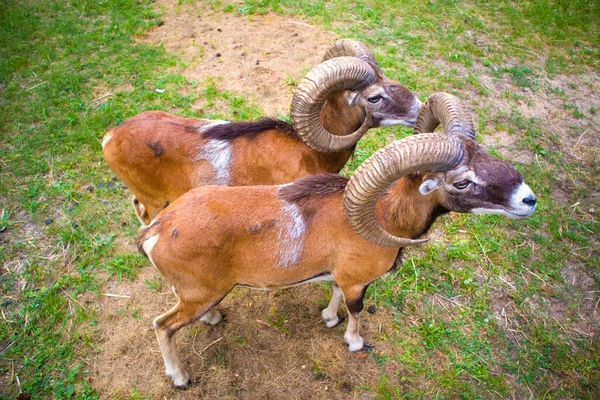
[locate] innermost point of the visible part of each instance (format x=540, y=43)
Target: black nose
x=530, y=200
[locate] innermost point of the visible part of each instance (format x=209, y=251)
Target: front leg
x=354, y=303
x=330, y=313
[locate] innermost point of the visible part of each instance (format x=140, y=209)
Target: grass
x=491, y=309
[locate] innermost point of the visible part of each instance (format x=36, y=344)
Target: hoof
x=184, y=387
x=335, y=322
x=189, y=384
x=367, y=347
x=212, y=318
x=183, y=384
x=354, y=345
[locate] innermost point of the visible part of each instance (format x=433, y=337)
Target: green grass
x=70, y=70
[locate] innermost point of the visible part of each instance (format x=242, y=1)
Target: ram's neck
x=339, y=118
x=404, y=212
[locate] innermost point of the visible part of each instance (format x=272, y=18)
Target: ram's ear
x=428, y=186
x=351, y=97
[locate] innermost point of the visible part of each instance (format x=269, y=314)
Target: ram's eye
x=374, y=99
x=461, y=185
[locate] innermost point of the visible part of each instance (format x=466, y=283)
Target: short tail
x=140, y=238
x=145, y=232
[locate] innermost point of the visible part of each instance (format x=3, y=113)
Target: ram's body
x=214, y=238
x=262, y=236
x=160, y=159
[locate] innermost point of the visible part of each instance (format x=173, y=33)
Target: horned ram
x=325, y=227
x=160, y=156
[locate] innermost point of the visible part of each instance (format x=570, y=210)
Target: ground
x=485, y=309
x=257, y=57
x=249, y=352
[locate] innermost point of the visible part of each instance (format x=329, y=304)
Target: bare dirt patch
x=256, y=57
x=504, y=143
x=271, y=345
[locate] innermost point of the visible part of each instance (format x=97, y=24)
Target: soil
x=274, y=345
x=251, y=56
x=271, y=345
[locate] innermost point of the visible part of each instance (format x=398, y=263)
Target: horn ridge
x=349, y=48
x=445, y=109
x=336, y=74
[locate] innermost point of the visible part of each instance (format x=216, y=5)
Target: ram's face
x=482, y=184
x=390, y=104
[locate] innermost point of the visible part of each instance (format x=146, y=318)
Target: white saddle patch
x=218, y=154
x=215, y=122
x=291, y=234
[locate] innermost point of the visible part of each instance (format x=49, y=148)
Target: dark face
x=390, y=104
x=482, y=184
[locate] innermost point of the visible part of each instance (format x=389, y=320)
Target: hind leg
x=330, y=313
x=146, y=212
x=168, y=324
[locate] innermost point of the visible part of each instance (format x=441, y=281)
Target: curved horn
x=444, y=108
x=425, y=152
x=340, y=73
x=349, y=48
x=353, y=48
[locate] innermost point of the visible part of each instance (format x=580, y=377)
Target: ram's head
x=451, y=168
x=349, y=81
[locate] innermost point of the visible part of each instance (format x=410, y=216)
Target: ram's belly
x=268, y=284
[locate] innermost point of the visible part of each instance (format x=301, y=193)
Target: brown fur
x=170, y=167
x=403, y=212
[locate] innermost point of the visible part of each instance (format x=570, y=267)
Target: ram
x=160, y=156
x=325, y=227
